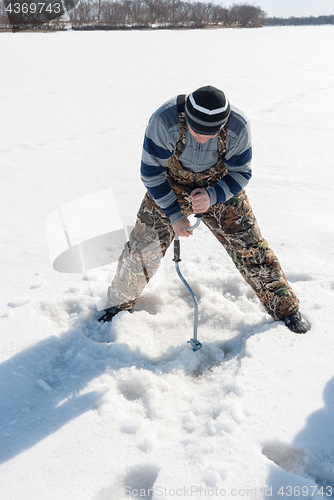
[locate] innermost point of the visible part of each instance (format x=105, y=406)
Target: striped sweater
x=161, y=136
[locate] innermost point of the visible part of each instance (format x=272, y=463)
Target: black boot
x=109, y=314
x=296, y=323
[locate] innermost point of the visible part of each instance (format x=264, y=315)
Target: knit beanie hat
x=207, y=110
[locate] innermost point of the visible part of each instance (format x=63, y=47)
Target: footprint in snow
x=19, y=302
x=312, y=454
x=37, y=285
x=138, y=482
x=299, y=462
x=294, y=277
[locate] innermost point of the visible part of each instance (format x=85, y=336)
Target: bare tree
x=84, y=13
x=113, y=13
x=199, y=13
x=220, y=14
x=173, y=11
x=137, y=12
x=246, y=15
x=98, y=9
x=156, y=8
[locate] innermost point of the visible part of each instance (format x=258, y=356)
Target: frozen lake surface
x=94, y=411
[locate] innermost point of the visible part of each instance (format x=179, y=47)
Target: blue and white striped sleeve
x=238, y=162
x=158, y=147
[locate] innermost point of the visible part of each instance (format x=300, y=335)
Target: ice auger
x=194, y=342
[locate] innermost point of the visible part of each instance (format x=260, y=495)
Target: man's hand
x=201, y=200
x=180, y=227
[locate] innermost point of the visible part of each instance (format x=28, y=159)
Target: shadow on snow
x=47, y=385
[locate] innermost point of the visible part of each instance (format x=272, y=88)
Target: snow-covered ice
x=94, y=411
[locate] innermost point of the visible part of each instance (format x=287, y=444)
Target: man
x=196, y=159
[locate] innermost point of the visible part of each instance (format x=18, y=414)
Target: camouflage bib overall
x=233, y=223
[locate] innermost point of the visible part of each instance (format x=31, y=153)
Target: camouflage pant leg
x=141, y=257
x=234, y=225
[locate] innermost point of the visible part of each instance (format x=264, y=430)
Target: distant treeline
x=299, y=21
x=162, y=13
x=136, y=14
x=141, y=14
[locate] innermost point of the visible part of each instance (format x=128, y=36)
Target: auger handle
x=197, y=223
x=176, y=249
x=177, y=241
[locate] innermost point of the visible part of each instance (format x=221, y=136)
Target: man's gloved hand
x=201, y=200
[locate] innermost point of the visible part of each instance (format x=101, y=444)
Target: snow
x=94, y=411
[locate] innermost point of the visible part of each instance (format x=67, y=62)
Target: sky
x=287, y=8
